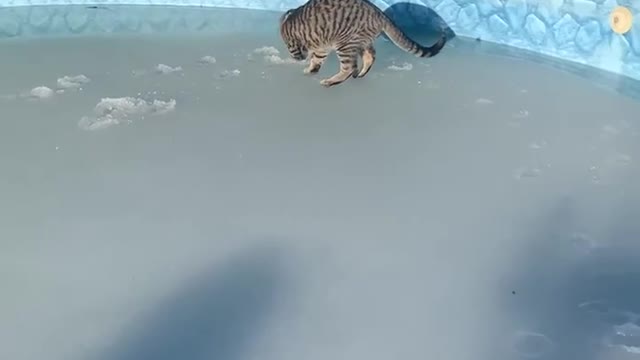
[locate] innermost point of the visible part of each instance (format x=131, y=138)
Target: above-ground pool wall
x=576, y=30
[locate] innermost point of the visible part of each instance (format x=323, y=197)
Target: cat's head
x=289, y=32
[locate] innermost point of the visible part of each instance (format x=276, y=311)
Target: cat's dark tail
x=407, y=44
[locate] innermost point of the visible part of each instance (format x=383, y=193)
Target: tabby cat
x=349, y=27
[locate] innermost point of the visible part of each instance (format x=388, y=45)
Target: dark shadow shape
x=419, y=22
x=213, y=317
x=545, y=291
x=576, y=301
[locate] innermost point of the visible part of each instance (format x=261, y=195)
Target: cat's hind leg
x=316, y=59
x=348, y=58
x=368, y=58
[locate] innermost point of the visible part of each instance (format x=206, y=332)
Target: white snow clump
x=403, y=67
x=114, y=111
x=72, y=82
x=208, y=60
x=166, y=69
x=41, y=92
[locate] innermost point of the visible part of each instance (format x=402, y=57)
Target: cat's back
x=326, y=23
x=338, y=7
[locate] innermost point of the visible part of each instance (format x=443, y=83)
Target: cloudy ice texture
x=8, y=97
x=115, y=111
x=166, y=69
x=531, y=344
x=72, y=82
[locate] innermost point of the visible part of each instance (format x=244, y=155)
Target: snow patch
x=41, y=92
x=401, y=67
x=72, y=82
x=483, y=101
x=230, y=73
x=267, y=50
x=115, y=111
x=210, y=60
x=166, y=69
x=277, y=60
x=271, y=55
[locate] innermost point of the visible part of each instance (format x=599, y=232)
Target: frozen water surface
x=472, y=206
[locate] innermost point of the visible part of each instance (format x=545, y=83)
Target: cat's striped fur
x=349, y=27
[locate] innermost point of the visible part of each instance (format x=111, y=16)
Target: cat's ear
x=285, y=16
